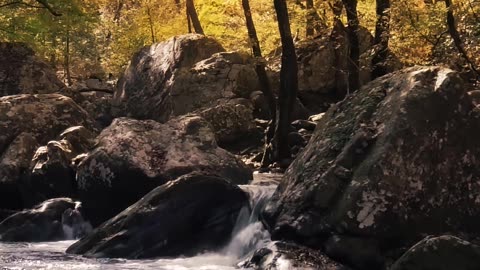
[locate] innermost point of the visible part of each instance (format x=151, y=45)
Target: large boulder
x=144, y=90
x=26, y=122
x=191, y=214
x=21, y=72
x=187, y=74
x=392, y=162
x=132, y=157
x=51, y=220
x=440, y=253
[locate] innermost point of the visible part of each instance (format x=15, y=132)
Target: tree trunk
x=260, y=69
x=192, y=14
x=150, y=22
x=309, y=30
x=382, y=35
x=118, y=12
x=67, y=59
x=288, y=85
x=452, y=29
x=353, y=24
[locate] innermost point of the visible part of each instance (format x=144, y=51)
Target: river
x=248, y=235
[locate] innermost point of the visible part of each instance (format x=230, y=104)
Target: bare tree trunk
x=150, y=22
x=353, y=24
x=192, y=14
x=309, y=30
x=288, y=85
x=456, y=36
x=189, y=22
x=382, y=36
x=118, y=11
x=260, y=69
x=67, y=59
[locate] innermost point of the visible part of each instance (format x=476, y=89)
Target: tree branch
x=43, y=4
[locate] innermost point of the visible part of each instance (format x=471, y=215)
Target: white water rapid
x=248, y=235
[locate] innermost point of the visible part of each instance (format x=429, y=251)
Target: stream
x=247, y=236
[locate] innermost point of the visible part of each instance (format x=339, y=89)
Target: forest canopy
x=99, y=36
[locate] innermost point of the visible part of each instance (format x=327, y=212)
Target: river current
x=248, y=235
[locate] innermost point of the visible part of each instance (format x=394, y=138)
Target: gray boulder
x=21, y=72
x=440, y=253
x=390, y=163
x=26, y=122
x=132, y=157
x=191, y=214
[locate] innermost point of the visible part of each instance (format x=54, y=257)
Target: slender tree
x=193, y=17
x=260, y=69
x=288, y=85
x=382, y=36
x=353, y=25
x=452, y=29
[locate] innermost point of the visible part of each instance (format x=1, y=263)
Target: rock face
x=144, y=90
x=45, y=222
x=440, y=253
x=53, y=167
x=191, y=214
x=22, y=73
x=132, y=157
x=189, y=74
x=26, y=122
x=392, y=162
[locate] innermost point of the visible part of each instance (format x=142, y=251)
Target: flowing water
x=248, y=235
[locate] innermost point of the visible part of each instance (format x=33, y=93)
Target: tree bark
x=452, y=29
x=353, y=25
x=192, y=14
x=260, y=70
x=382, y=36
x=150, y=22
x=309, y=28
x=67, y=59
x=288, y=85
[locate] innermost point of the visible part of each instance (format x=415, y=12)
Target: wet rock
x=26, y=122
x=393, y=162
x=282, y=255
x=193, y=213
x=21, y=72
x=132, y=157
x=440, y=253
x=45, y=222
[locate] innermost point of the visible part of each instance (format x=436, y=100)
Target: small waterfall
x=249, y=233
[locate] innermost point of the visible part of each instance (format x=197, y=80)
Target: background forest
x=98, y=37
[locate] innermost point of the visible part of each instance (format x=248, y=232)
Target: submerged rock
x=194, y=213
x=132, y=157
x=26, y=122
x=21, y=72
x=440, y=253
x=282, y=255
x=391, y=163
x=45, y=222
